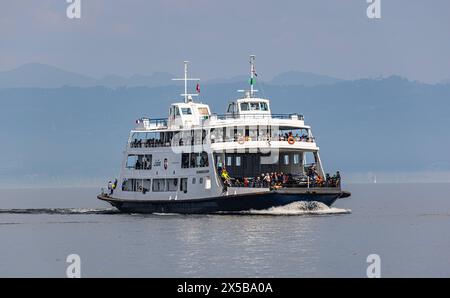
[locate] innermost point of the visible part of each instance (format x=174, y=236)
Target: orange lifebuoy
x=291, y=140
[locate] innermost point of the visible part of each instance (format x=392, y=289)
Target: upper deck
x=225, y=120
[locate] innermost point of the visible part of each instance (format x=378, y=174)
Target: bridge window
x=245, y=106
x=296, y=159
x=264, y=106
x=286, y=159
x=186, y=111
x=203, y=111
x=254, y=106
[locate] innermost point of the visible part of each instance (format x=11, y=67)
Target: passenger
x=114, y=186
x=285, y=179
x=225, y=177
x=319, y=180
x=246, y=182
x=267, y=180
x=110, y=189
x=258, y=181
x=338, y=179
x=327, y=179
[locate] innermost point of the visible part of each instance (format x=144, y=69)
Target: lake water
x=407, y=225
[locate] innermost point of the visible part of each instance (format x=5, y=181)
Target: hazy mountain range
x=36, y=75
x=365, y=126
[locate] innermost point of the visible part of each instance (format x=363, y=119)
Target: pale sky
x=329, y=37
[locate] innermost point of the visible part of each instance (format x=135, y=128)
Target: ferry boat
x=196, y=161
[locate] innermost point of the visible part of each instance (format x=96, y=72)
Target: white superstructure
x=181, y=157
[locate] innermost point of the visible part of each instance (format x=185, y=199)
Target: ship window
x=127, y=185
x=296, y=159
x=177, y=111
x=238, y=161
x=171, y=184
x=245, y=106
x=286, y=159
x=136, y=185
x=219, y=160
x=264, y=106
x=229, y=161
x=194, y=180
x=204, y=162
x=186, y=111
x=183, y=185
x=131, y=161
x=200, y=180
x=185, y=160
x=193, y=160
x=147, y=183
x=208, y=183
x=203, y=111
x=197, y=160
x=158, y=185
x=254, y=106
x=230, y=108
x=139, y=162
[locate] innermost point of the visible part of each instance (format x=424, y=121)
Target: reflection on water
x=407, y=225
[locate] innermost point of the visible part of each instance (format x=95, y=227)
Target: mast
x=252, y=74
x=252, y=91
x=186, y=79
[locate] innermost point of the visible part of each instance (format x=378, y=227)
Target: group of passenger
x=298, y=138
x=146, y=143
x=265, y=180
x=112, y=186
x=144, y=164
x=280, y=179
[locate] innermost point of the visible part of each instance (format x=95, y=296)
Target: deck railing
x=257, y=116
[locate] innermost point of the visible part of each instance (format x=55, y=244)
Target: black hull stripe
x=235, y=203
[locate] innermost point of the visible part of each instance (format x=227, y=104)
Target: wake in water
x=296, y=208
x=59, y=211
x=300, y=208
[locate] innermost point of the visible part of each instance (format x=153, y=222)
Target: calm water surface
x=407, y=225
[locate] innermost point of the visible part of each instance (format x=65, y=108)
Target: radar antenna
x=187, y=96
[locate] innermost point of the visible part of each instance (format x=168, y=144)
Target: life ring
x=291, y=140
x=241, y=140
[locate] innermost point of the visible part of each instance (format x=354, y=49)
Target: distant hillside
x=35, y=75
x=42, y=76
x=386, y=125
x=302, y=78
